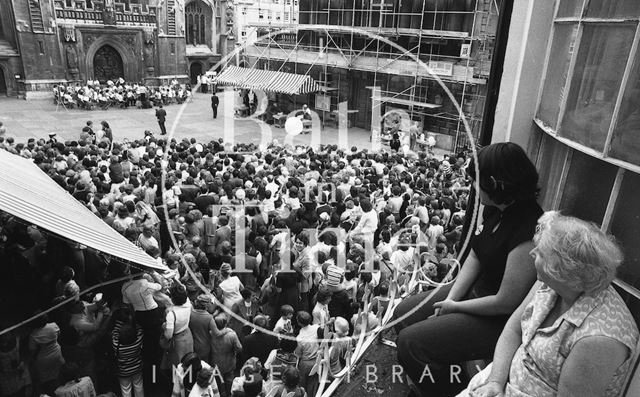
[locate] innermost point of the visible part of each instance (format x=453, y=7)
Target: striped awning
x=30, y=194
x=267, y=80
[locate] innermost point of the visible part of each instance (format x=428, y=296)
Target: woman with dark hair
x=246, y=308
x=176, y=327
x=466, y=319
x=126, y=339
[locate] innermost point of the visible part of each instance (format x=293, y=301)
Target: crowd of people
x=297, y=241
x=120, y=94
x=314, y=212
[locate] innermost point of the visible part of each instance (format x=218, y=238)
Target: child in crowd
x=205, y=384
x=283, y=325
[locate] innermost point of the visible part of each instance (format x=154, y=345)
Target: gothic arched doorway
x=107, y=64
x=195, y=71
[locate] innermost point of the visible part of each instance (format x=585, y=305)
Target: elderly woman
x=573, y=334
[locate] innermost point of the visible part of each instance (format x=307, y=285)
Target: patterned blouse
x=537, y=364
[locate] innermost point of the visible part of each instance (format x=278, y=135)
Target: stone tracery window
x=195, y=17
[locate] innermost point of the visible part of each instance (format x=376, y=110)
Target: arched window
x=202, y=28
x=195, y=16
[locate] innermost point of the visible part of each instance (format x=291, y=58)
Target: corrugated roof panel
x=28, y=193
x=267, y=80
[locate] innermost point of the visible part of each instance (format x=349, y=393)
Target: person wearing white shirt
x=140, y=293
x=433, y=231
x=321, y=310
x=368, y=223
x=268, y=204
x=271, y=186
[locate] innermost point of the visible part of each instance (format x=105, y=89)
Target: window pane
x=549, y=164
x=624, y=226
x=564, y=38
x=625, y=142
x=588, y=187
x=570, y=8
x=603, y=54
x=613, y=8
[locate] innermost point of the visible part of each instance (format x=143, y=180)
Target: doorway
x=195, y=71
x=3, y=83
x=107, y=64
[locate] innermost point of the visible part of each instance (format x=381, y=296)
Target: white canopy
x=28, y=193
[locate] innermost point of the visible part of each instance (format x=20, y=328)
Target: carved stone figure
x=109, y=13
x=148, y=36
x=148, y=56
x=72, y=58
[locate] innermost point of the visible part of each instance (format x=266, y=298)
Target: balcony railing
x=79, y=14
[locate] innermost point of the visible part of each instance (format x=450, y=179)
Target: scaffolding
x=454, y=37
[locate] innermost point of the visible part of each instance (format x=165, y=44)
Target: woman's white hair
x=577, y=253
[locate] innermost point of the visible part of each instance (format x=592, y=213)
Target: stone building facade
x=46, y=42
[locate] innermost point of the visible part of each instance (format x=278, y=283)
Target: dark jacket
x=258, y=345
x=161, y=114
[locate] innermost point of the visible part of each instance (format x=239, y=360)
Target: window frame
x=560, y=176
x=580, y=21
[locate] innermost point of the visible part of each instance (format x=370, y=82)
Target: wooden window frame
x=624, y=167
x=580, y=21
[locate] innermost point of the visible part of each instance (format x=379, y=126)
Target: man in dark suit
x=258, y=344
x=215, y=101
x=161, y=115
